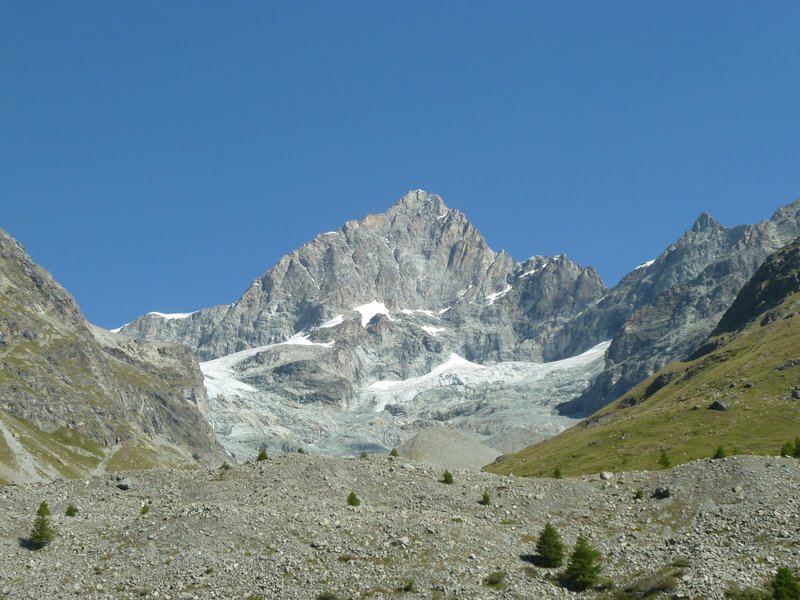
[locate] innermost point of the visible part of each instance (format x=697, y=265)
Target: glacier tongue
x=505, y=400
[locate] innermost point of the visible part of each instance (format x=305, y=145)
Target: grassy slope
x=70, y=455
x=632, y=432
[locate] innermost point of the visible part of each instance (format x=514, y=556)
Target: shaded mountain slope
x=70, y=392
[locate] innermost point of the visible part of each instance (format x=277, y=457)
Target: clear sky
x=161, y=155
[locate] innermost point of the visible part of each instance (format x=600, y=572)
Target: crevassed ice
x=457, y=370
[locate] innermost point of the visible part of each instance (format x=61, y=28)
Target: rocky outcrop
x=60, y=374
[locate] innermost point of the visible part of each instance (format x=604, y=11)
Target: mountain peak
x=706, y=222
x=417, y=201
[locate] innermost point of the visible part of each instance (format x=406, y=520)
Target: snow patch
x=337, y=320
x=302, y=339
x=529, y=273
x=367, y=311
x=644, y=265
x=171, y=316
x=424, y=311
x=490, y=299
x=432, y=330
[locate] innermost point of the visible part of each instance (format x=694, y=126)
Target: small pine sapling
x=486, y=499
x=394, y=453
x=71, y=511
x=353, y=500
x=447, y=477
x=785, y=585
x=42, y=532
x=549, y=547
x=664, y=461
x=262, y=455
x=583, y=569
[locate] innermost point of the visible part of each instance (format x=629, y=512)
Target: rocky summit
x=282, y=528
x=368, y=335
x=372, y=333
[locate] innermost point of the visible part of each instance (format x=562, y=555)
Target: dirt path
x=100, y=469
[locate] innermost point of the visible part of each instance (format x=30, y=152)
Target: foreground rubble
x=282, y=529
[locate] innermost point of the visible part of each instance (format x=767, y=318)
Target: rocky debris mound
x=448, y=448
x=283, y=528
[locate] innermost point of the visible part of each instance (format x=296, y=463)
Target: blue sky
x=161, y=155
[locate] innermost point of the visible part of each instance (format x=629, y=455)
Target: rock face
x=738, y=390
x=419, y=256
x=662, y=311
x=393, y=297
x=776, y=279
x=63, y=380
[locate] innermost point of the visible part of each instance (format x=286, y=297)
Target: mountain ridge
x=71, y=393
x=736, y=392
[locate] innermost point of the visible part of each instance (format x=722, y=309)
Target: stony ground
x=282, y=529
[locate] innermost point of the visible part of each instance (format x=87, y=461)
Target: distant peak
x=418, y=200
x=706, y=222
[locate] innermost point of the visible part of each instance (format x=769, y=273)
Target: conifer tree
x=42, y=532
x=785, y=585
x=584, y=567
x=549, y=547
